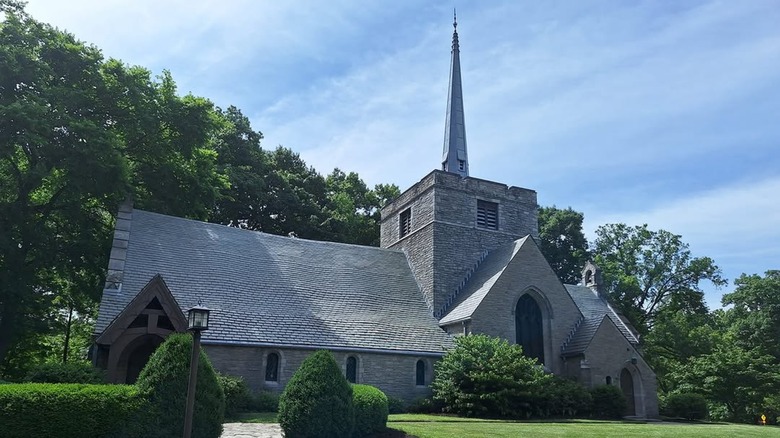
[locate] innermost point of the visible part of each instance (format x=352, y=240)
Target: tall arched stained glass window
x=528, y=327
x=420, y=380
x=352, y=369
x=272, y=368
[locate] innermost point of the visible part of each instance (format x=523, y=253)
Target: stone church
x=458, y=256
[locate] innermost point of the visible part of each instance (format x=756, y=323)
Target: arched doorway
x=528, y=327
x=138, y=355
x=627, y=386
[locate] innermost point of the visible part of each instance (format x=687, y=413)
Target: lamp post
x=197, y=321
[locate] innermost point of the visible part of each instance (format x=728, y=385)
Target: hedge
x=67, y=410
x=608, y=402
x=237, y=396
x=371, y=410
x=686, y=405
x=71, y=372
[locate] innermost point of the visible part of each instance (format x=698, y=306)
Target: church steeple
x=455, y=158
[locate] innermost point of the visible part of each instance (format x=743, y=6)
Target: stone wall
x=394, y=374
x=608, y=354
x=528, y=272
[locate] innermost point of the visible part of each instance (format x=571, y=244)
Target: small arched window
x=609, y=380
x=272, y=367
x=352, y=369
x=420, y=380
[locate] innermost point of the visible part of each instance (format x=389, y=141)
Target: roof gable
x=483, y=279
x=594, y=310
x=154, y=296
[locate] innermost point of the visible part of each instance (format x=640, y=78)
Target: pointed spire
x=455, y=158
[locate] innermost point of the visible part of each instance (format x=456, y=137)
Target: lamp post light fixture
x=197, y=321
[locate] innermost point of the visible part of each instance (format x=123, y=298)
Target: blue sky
x=665, y=113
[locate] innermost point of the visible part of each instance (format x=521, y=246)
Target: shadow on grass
x=392, y=433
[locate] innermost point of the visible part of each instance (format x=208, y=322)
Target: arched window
x=420, y=381
x=352, y=369
x=609, y=380
x=272, y=367
x=528, y=327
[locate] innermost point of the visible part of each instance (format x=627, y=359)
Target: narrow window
x=272, y=368
x=461, y=165
x=352, y=369
x=609, y=380
x=420, y=381
x=405, y=222
x=487, y=215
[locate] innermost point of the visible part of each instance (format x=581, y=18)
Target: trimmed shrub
x=237, y=395
x=317, y=401
x=71, y=372
x=562, y=397
x=68, y=410
x=608, y=402
x=425, y=405
x=265, y=401
x=164, y=382
x=371, y=410
x=395, y=405
x=487, y=377
x=686, y=405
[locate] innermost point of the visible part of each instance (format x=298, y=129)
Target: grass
x=436, y=426
x=442, y=426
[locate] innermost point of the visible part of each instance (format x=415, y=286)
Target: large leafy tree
x=562, y=242
x=77, y=135
x=755, y=312
x=60, y=167
x=650, y=272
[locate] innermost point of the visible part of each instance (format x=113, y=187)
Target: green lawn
x=440, y=426
x=434, y=426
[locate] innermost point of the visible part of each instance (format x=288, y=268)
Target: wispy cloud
x=657, y=112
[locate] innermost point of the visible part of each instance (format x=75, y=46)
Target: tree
x=648, y=272
x=60, y=168
x=562, y=242
x=755, y=315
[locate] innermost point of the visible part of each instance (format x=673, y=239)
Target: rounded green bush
x=317, y=401
x=608, y=402
x=486, y=376
x=371, y=410
x=71, y=372
x=237, y=395
x=164, y=382
x=265, y=401
x=562, y=397
x=395, y=405
x=686, y=405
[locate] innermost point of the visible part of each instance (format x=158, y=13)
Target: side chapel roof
x=272, y=290
x=594, y=309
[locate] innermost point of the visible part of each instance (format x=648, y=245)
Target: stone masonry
x=445, y=243
x=394, y=374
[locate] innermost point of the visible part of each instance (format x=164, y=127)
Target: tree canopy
x=646, y=272
x=80, y=133
x=562, y=242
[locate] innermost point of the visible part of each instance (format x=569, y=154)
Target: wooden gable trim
x=155, y=288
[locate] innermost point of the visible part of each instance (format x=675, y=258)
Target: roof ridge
x=271, y=235
x=451, y=298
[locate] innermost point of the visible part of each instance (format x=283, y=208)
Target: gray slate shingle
x=278, y=290
x=594, y=309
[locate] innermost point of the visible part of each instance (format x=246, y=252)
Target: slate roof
x=594, y=309
x=273, y=290
x=482, y=280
